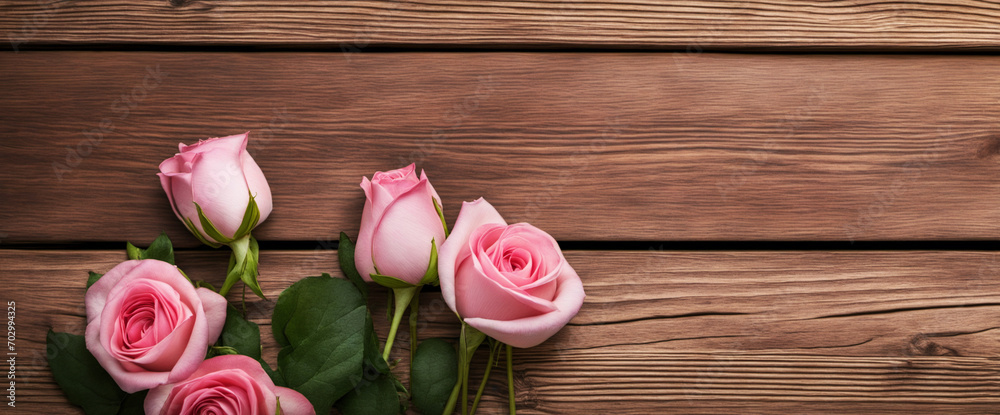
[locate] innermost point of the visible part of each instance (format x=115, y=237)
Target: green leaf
x=320, y=324
x=81, y=378
x=373, y=356
x=433, y=374
x=390, y=282
x=239, y=334
x=161, y=249
x=473, y=338
x=132, y=251
x=274, y=375
x=345, y=253
x=377, y=391
x=431, y=276
x=93, y=278
x=377, y=397
x=133, y=404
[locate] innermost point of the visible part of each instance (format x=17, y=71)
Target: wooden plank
x=664, y=332
x=586, y=146
x=352, y=26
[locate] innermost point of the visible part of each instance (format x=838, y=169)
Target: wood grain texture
x=586, y=146
x=660, y=332
x=351, y=26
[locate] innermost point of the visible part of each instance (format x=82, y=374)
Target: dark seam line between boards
x=292, y=47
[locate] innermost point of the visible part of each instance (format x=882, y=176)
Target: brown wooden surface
x=586, y=146
x=355, y=25
x=678, y=332
x=628, y=149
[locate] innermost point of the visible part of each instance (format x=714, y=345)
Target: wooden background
x=776, y=207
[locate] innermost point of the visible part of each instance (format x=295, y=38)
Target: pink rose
x=219, y=175
x=397, y=225
x=508, y=281
x=226, y=385
x=147, y=325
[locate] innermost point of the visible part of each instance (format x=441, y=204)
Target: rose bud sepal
x=243, y=263
x=404, y=294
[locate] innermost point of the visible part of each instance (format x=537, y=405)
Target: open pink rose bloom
x=147, y=325
x=226, y=385
x=508, y=281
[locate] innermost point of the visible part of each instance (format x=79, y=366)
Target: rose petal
x=363, y=248
x=293, y=403
x=482, y=297
x=97, y=295
x=401, y=243
x=482, y=242
x=155, y=399
x=366, y=185
x=423, y=176
x=544, y=250
x=231, y=141
x=532, y=331
x=130, y=382
x=220, y=188
x=456, y=249
x=162, y=357
x=257, y=184
x=235, y=361
x=195, y=351
x=215, y=312
x=228, y=382
x=483, y=275
x=387, y=186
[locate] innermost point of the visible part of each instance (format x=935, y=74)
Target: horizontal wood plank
x=352, y=26
x=589, y=147
x=663, y=332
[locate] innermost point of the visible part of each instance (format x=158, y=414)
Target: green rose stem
x=468, y=342
x=244, y=260
x=401, y=301
x=243, y=265
x=510, y=379
x=403, y=294
x=494, y=347
x=414, y=309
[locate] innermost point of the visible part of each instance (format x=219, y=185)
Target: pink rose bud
x=219, y=175
x=226, y=385
x=398, y=224
x=147, y=325
x=510, y=282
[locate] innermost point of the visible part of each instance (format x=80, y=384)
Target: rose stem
x=464, y=368
x=450, y=407
x=414, y=309
x=510, y=379
x=486, y=376
x=402, y=300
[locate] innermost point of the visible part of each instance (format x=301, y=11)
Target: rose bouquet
x=157, y=342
